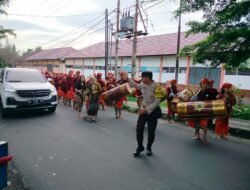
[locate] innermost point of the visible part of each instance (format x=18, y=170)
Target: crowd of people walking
x=75, y=90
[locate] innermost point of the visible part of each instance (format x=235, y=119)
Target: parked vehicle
x=25, y=89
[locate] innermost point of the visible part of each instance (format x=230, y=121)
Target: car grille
x=33, y=93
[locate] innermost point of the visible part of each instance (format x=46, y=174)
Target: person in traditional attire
x=93, y=92
x=202, y=94
x=103, y=85
x=171, y=93
x=138, y=94
x=119, y=103
x=64, y=89
x=222, y=123
x=111, y=82
x=59, y=89
x=80, y=88
x=149, y=112
x=214, y=93
x=70, y=87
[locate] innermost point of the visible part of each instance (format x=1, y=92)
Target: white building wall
x=240, y=81
x=170, y=61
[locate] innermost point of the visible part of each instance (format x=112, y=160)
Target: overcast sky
x=36, y=31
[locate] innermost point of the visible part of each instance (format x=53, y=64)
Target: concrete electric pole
x=117, y=37
x=106, y=42
x=178, y=45
x=134, y=51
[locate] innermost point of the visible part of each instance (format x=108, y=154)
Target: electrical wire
x=74, y=31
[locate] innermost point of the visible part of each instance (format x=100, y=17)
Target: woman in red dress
x=70, y=87
x=222, y=123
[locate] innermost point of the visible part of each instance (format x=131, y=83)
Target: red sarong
x=222, y=126
x=203, y=123
x=119, y=103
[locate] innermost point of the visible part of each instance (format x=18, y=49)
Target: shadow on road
x=26, y=115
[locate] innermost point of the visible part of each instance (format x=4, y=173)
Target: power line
x=69, y=42
x=87, y=30
x=52, y=16
x=84, y=32
x=74, y=31
x=52, y=6
x=60, y=7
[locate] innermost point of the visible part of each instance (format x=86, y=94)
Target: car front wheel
x=4, y=112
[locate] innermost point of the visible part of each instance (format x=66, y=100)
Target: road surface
x=62, y=152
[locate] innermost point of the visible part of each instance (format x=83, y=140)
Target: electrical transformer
x=127, y=23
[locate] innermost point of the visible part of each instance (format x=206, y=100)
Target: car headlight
x=9, y=90
x=52, y=89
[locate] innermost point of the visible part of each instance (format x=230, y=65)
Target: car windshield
x=24, y=76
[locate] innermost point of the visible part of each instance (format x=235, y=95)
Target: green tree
x=227, y=24
x=9, y=56
x=5, y=32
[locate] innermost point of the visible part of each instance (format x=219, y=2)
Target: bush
x=241, y=112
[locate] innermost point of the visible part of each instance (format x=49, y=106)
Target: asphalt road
x=62, y=152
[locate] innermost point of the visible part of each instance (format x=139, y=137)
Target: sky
x=56, y=23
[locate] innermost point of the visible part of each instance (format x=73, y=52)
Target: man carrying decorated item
x=171, y=93
x=203, y=94
x=103, y=85
x=119, y=103
x=214, y=93
x=93, y=92
x=149, y=112
x=80, y=88
x=111, y=82
x=70, y=87
x=222, y=123
x=138, y=94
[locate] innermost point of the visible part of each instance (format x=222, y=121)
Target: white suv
x=25, y=89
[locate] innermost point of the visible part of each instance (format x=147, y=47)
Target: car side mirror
x=50, y=80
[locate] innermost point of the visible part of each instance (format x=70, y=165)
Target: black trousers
x=151, y=120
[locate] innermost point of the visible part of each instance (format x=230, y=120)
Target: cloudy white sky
x=34, y=28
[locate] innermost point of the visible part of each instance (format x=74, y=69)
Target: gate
x=197, y=73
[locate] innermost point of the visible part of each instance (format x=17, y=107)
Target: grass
x=133, y=99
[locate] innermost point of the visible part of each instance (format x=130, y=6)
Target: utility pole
x=110, y=46
x=117, y=36
x=106, y=42
x=133, y=69
x=178, y=46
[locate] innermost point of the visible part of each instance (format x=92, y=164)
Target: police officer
x=149, y=112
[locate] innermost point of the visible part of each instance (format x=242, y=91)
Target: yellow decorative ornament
x=199, y=106
x=160, y=92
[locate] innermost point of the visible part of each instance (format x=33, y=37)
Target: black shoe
x=149, y=152
x=138, y=151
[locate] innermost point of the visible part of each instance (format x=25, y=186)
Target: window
x=69, y=66
x=182, y=70
x=172, y=69
x=24, y=76
x=244, y=72
x=230, y=72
